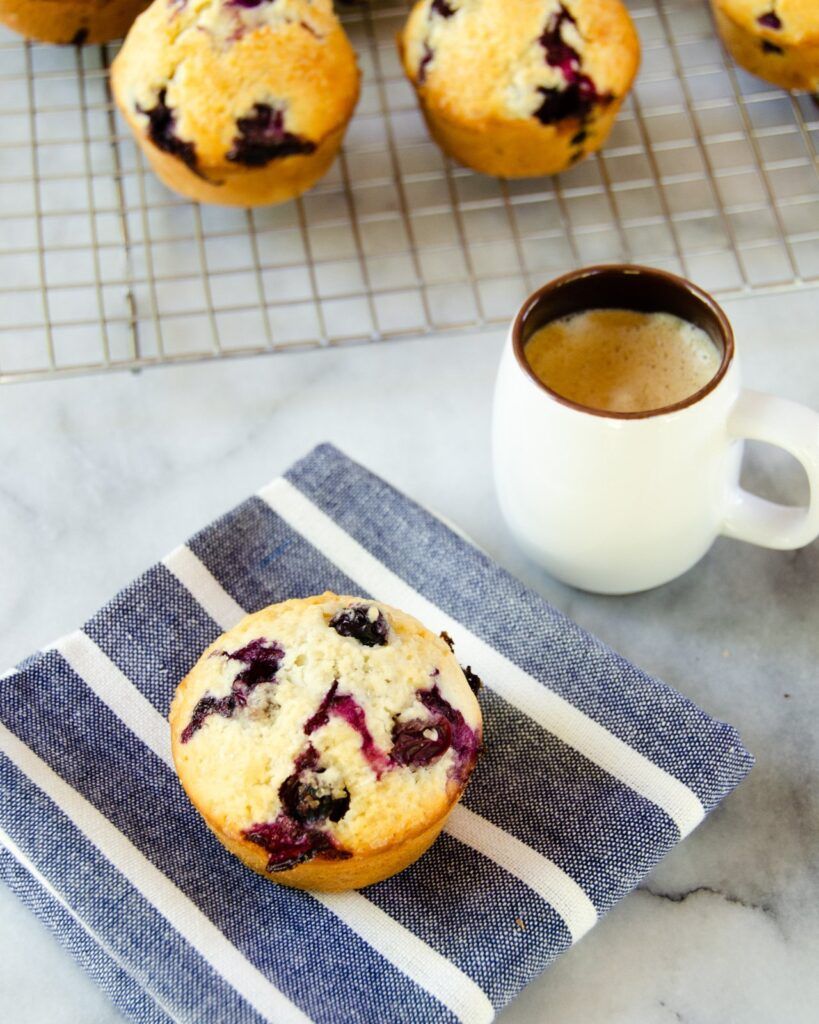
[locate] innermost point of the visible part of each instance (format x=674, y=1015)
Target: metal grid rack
x=709, y=172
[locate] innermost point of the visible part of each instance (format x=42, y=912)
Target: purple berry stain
x=426, y=60
x=416, y=744
x=263, y=659
x=347, y=707
x=580, y=94
x=262, y=137
x=474, y=680
x=442, y=8
x=287, y=843
x=362, y=622
x=162, y=131
x=205, y=707
x=770, y=20
x=558, y=53
x=296, y=834
x=464, y=741
x=303, y=795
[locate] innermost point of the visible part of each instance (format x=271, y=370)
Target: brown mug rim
x=631, y=269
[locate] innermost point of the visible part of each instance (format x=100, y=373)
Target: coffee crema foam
x=620, y=360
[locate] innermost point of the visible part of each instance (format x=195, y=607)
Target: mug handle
x=788, y=425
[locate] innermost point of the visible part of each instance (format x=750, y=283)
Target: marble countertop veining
x=101, y=476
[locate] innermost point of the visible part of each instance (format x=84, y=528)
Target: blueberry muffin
x=71, y=21
x=775, y=39
x=325, y=740
x=238, y=102
x=518, y=88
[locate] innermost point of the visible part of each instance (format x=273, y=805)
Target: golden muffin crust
x=70, y=21
x=798, y=20
x=778, y=40
x=517, y=87
x=238, y=104
x=325, y=740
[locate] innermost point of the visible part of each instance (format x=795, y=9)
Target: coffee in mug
x=617, y=464
x=622, y=360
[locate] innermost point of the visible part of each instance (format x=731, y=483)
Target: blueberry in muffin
x=326, y=740
x=237, y=102
x=516, y=88
x=778, y=40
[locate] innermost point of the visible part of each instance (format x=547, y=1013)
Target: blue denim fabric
x=124, y=991
x=461, y=904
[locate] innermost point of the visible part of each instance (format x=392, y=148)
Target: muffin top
x=325, y=726
x=786, y=21
x=221, y=83
x=491, y=60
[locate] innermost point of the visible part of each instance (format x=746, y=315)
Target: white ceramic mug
x=619, y=502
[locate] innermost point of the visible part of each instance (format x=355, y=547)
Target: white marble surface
x=101, y=476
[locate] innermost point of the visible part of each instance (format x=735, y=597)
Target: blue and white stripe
x=593, y=771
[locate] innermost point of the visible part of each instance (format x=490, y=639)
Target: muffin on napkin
x=71, y=21
x=514, y=88
x=326, y=740
x=596, y=771
x=238, y=102
x=778, y=40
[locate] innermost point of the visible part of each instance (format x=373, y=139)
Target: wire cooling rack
x=709, y=172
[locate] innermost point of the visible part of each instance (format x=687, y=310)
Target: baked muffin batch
x=325, y=740
x=245, y=102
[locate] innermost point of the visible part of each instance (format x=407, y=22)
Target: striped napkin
x=592, y=772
